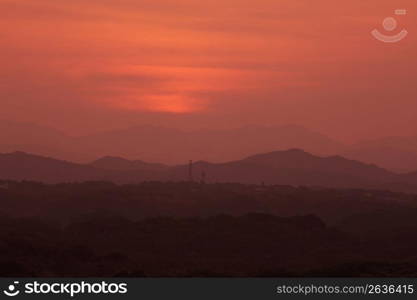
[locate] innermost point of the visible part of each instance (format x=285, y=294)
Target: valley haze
x=174, y=146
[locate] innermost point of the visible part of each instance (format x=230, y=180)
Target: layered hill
x=291, y=167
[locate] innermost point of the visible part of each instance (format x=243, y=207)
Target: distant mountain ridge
x=122, y=164
x=151, y=143
x=291, y=167
x=164, y=145
x=394, y=153
x=173, y=146
x=23, y=166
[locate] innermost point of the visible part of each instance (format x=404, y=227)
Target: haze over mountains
x=292, y=167
x=395, y=153
x=173, y=146
x=122, y=164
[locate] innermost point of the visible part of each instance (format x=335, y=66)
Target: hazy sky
x=85, y=66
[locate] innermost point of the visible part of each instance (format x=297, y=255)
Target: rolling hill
x=290, y=167
x=23, y=166
x=293, y=167
x=122, y=164
x=174, y=146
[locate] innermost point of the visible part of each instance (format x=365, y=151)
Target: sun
x=165, y=103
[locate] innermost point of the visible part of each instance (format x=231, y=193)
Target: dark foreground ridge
x=191, y=230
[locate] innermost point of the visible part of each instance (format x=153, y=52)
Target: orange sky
x=189, y=64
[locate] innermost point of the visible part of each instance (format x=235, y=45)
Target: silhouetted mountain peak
x=287, y=155
x=27, y=156
x=24, y=158
x=290, y=167
x=19, y=153
x=298, y=157
x=112, y=159
x=122, y=164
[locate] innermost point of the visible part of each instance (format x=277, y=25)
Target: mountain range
x=394, y=153
x=291, y=167
x=173, y=146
